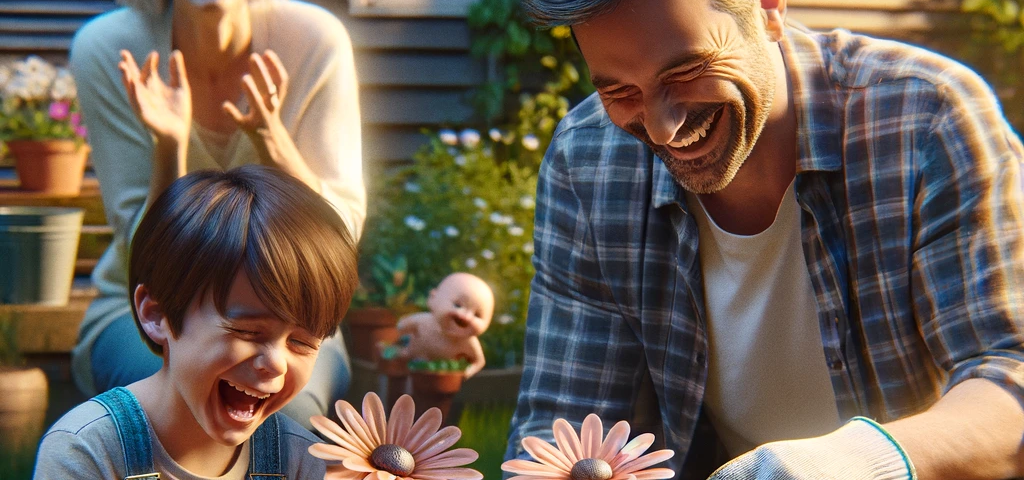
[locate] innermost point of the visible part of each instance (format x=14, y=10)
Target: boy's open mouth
x=241, y=402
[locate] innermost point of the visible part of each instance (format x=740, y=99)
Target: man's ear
x=775, y=18
x=151, y=316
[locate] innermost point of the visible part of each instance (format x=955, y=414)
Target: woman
x=271, y=82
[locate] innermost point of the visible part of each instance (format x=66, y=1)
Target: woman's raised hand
x=165, y=109
x=265, y=86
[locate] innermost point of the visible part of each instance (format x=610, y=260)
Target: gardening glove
x=860, y=450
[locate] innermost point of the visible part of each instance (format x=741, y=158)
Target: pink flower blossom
x=76, y=119
x=81, y=131
x=588, y=456
x=60, y=110
x=373, y=446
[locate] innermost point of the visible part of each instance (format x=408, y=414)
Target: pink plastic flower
x=374, y=447
x=60, y=110
x=81, y=131
x=587, y=457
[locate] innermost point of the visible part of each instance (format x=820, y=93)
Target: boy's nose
x=663, y=120
x=271, y=361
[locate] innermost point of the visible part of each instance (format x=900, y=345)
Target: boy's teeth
x=251, y=393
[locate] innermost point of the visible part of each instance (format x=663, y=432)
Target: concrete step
x=51, y=329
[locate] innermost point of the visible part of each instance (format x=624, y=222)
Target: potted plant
x=381, y=298
x=41, y=125
x=435, y=383
x=23, y=398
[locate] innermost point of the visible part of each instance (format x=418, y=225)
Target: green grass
x=485, y=429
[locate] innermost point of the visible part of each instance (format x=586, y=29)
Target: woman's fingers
x=179, y=77
x=234, y=113
x=149, y=68
x=261, y=76
x=278, y=74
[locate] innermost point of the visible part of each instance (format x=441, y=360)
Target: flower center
x=591, y=469
x=393, y=459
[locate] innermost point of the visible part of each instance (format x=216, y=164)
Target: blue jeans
x=120, y=357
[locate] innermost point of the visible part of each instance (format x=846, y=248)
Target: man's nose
x=663, y=120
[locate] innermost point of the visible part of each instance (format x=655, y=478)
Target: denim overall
x=133, y=430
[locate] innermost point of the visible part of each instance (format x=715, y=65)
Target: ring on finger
x=275, y=101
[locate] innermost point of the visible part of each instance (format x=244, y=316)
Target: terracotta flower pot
x=54, y=167
x=367, y=328
x=435, y=389
x=23, y=401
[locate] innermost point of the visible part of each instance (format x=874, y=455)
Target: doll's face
x=463, y=304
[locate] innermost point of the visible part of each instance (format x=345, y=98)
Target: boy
x=236, y=277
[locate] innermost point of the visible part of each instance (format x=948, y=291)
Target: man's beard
x=716, y=169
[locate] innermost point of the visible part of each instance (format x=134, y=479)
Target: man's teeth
x=251, y=393
x=697, y=134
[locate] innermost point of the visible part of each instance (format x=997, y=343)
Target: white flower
x=527, y=202
x=487, y=254
x=448, y=137
x=515, y=231
x=505, y=319
x=460, y=160
x=451, y=231
x=412, y=187
x=470, y=262
x=528, y=248
x=415, y=223
x=499, y=219
x=63, y=87
x=531, y=142
x=35, y=66
x=469, y=138
x=495, y=134
x=6, y=73
x=480, y=203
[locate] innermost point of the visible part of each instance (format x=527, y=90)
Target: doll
x=460, y=310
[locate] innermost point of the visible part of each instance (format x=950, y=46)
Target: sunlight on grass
x=485, y=429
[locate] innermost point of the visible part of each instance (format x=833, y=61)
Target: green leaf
x=518, y=39
x=974, y=5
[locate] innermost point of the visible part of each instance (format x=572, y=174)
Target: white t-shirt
x=767, y=375
x=84, y=444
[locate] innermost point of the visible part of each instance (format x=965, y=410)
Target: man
x=784, y=232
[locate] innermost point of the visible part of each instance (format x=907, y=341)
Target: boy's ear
x=151, y=316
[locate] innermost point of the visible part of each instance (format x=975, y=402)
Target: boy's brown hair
x=292, y=245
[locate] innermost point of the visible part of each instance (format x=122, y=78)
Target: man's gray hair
x=550, y=13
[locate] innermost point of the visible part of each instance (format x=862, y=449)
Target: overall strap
x=133, y=431
x=265, y=456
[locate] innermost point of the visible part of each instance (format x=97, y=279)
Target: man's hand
x=860, y=450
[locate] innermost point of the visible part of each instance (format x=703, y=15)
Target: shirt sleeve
x=581, y=355
x=328, y=133
x=122, y=149
x=968, y=258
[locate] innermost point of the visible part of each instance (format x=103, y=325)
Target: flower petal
x=382, y=475
x=645, y=461
x=590, y=435
x=328, y=452
x=560, y=476
x=567, y=441
x=452, y=458
x=400, y=421
x=338, y=435
x=425, y=426
x=338, y=472
x=449, y=474
x=543, y=452
x=614, y=442
x=437, y=443
x=636, y=447
x=353, y=422
x=358, y=464
x=376, y=419
x=655, y=474
x=526, y=467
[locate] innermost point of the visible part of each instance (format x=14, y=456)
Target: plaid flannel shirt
x=909, y=181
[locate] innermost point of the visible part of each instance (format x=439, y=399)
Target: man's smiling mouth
x=699, y=130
